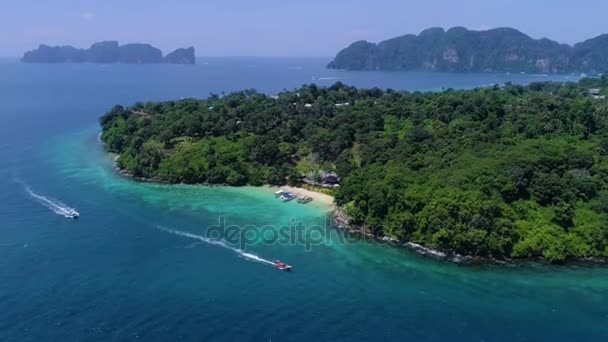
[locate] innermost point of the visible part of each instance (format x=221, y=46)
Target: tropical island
x=109, y=52
x=504, y=172
x=461, y=50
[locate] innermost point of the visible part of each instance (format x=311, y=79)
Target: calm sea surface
x=137, y=264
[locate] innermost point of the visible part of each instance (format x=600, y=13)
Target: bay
x=138, y=264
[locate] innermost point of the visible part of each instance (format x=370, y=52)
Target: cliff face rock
x=108, y=52
x=451, y=56
x=462, y=50
x=55, y=54
x=360, y=56
x=592, y=53
x=181, y=56
x=139, y=54
x=102, y=52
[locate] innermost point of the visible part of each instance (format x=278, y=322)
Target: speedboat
x=279, y=193
x=282, y=266
x=71, y=213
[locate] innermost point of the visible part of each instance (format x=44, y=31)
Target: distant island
x=109, y=52
x=505, y=172
x=461, y=50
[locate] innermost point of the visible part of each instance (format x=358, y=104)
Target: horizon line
x=224, y=56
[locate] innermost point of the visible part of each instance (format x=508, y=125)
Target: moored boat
x=287, y=196
x=304, y=199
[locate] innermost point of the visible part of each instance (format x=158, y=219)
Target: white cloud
x=88, y=16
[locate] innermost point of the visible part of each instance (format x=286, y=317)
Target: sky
x=280, y=27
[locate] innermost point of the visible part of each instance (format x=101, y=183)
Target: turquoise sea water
x=136, y=265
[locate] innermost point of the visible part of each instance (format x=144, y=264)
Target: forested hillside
x=506, y=172
x=462, y=50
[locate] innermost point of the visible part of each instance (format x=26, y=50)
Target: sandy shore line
x=318, y=197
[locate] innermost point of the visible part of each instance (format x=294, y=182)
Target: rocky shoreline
x=343, y=221
x=128, y=174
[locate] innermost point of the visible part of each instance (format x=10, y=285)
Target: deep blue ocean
x=137, y=264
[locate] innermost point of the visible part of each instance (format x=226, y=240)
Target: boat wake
x=329, y=78
x=56, y=206
x=248, y=256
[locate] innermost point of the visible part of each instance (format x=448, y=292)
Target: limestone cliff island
x=109, y=52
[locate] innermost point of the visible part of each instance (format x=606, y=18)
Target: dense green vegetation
x=459, y=49
x=506, y=172
x=109, y=52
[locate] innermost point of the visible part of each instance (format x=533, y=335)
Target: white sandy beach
x=316, y=196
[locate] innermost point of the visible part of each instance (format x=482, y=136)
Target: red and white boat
x=282, y=266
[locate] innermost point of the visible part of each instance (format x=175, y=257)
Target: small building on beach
x=322, y=178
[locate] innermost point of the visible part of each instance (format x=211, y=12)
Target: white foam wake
x=328, y=78
x=56, y=206
x=254, y=257
x=248, y=256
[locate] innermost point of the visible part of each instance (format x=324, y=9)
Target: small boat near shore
x=285, y=196
x=288, y=196
x=304, y=199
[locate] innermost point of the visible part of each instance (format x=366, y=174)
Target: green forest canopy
x=507, y=172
